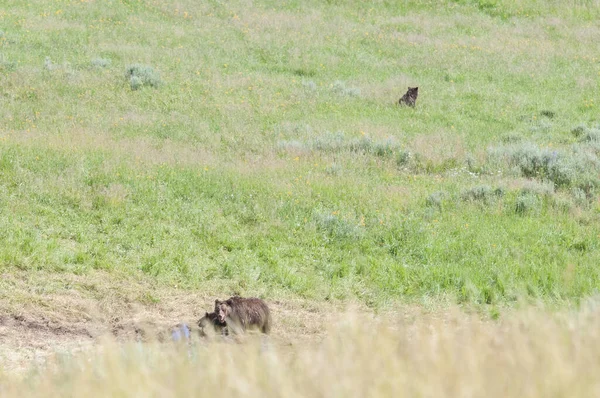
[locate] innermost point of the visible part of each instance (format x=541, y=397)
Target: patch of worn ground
x=24, y=342
x=42, y=314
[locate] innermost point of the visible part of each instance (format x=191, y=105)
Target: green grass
x=261, y=147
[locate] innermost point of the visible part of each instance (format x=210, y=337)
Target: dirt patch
x=42, y=314
x=42, y=325
x=45, y=313
x=26, y=341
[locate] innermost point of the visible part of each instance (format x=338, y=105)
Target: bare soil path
x=44, y=314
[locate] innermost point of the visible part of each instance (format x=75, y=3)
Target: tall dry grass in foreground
x=526, y=355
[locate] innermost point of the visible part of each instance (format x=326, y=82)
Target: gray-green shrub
x=142, y=75
x=100, y=63
x=526, y=203
x=577, y=167
x=336, y=227
x=436, y=199
x=482, y=193
x=340, y=88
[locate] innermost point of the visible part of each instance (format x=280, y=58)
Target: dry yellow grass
x=437, y=149
x=532, y=354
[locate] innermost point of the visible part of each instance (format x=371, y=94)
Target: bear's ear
x=416, y=88
x=217, y=302
x=206, y=314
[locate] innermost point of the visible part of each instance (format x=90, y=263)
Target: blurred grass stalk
x=526, y=354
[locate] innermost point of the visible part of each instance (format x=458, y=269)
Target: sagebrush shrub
x=291, y=146
x=48, y=64
x=532, y=160
x=142, y=75
x=436, y=199
x=563, y=204
x=563, y=168
x=539, y=188
x=368, y=145
x=402, y=157
x=511, y=138
x=100, y=63
x=592, y=134
x=482, y=193
x=337, y=142
x=527, y=203
x=578, y=131
x=336, y=227
x=309, y=84
x=587, y=134
x=579, y=196
x=329, y=142
x=548, y=114
x=333, y=169
x=5, y=64
x=340, y=88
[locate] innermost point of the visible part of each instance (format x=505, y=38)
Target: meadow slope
x=151, y=150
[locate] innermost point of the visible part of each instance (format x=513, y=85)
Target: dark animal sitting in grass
x=410, y=98
x=242, y=314
x=210, y=325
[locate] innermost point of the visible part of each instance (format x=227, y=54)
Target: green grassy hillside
x=257, y=147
